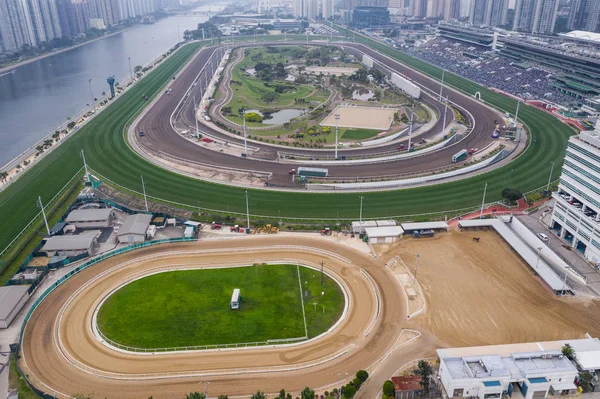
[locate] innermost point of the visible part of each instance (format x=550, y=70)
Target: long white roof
x=386, y=231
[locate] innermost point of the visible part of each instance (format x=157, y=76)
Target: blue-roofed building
x=513, y=370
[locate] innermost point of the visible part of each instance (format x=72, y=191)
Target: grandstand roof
x=585, y=35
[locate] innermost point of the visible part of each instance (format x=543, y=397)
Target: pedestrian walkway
x=497, y=210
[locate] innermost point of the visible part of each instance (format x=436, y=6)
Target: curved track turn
x=60, y=350
x=160, y=136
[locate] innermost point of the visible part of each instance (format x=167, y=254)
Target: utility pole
x=416, y=268
x=245, y=154
x=144, y=191
x=92, y=93
x=550, y=177
x=130, y=70
x=322, y=272
x=43, y=214
x=87, y=173
x=445, y=112
x=196, y=118
x=483, y=201
x=442, y=85
x=337, y=128
x=360, y=214
x=410, y=127
x=247, y=210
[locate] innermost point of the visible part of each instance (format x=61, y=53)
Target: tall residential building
x=576, y=215
x=418, y=8
x=535, y=16
x=328, y=9
x=312, y=9
x=451, y=9
x=584, y=15
x=488, y=12
x=13, y=33
x=435, y=8
x=300, y=8
x=465, y=8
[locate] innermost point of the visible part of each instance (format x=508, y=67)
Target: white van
x=543, y=237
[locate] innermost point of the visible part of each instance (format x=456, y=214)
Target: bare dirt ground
x=476, y=294
x=361, y=117
x=483, y=293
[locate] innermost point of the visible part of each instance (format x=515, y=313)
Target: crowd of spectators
x=489, y=69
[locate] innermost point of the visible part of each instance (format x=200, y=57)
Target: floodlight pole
x=416, y=268
x=442, y=85
x=322, y=273
x=247, y=210
x=410, y=127
x=130, y=70
x=360, y=214
x=517, y=112
x=539, y=252
x=144, y=191
x=87, y=173
x=337, y=127
x=483, y=201
x=245, y=140
x=445, y=112
x=92, y=93
x=550, y=177
x=196, y=117
x=43, y=214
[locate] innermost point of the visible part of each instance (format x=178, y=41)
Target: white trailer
x=235, y=299
x=406, y=85
x=367, y=61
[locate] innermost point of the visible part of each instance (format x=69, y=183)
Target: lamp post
x=144, y=191
x=337, y=127
x=483, y=201
x=130, y=70
x=247, y=210
x=360, y=214
x=39, y=201
x=92, y=93
x=416, y=268
x=550, y=177
x=245, y=154
x=539, y=251
x=442, y=85
x=410, y=127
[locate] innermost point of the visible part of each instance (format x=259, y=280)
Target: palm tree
x=258, y=395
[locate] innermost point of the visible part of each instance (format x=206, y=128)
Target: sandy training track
x=60, y=350
x=476, y=294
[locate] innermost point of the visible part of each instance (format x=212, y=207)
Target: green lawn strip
x=107, y=153
x=186, y=308
x=328, y=297
x=15, y=381
x=359, y=134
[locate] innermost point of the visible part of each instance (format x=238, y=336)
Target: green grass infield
x=191, y=307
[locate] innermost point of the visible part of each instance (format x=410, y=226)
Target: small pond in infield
x=363, y=94
x=279, y=116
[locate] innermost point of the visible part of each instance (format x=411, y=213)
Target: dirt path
x=483, y=293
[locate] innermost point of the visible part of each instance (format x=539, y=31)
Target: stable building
x=384, y=235
x=70, y=245
x=134, y=227
x=91, y=218
x=407, y=387
x=487, y=372
x=12, y=300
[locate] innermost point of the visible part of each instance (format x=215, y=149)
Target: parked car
x=142, y=134
x=543, y=237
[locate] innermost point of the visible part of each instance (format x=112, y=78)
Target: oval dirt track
x=61, y=354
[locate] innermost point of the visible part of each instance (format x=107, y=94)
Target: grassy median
x=108, y=153
x=191, y=307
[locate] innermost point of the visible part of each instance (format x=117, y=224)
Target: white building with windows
x=576, y=215
x=490, y=372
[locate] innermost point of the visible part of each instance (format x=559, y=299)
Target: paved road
x=572, y=257
x=160, y=135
